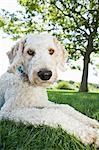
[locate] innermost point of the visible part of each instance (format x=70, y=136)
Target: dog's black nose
x=44, y=74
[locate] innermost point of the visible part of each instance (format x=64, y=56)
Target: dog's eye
x=31, y=52
x=51, y=51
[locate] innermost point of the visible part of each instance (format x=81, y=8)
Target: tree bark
x=84, y=81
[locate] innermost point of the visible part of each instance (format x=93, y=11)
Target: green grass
x=87, y=103
x=16, y=136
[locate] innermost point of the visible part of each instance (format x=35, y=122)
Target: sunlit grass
x=87, y=103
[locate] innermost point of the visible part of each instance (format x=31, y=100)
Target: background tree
x=2, y=23
x=74, y=22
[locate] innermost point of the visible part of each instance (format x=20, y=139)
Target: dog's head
x=39, y=55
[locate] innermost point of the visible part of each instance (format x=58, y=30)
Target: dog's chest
x=32, y=96
x=25, y=95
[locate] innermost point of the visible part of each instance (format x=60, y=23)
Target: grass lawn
x=20, y=137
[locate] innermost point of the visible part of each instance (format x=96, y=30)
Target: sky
x=7, y=43
x=11, y=5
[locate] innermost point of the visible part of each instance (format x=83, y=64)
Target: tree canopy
x=74, y=22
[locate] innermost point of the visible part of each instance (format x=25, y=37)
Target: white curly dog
x=33, y=66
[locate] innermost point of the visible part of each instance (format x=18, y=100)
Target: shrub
x=71, y=85
x=64, y=85
x=93, y=87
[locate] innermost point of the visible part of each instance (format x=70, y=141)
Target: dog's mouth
x=39, y=82
x=36, y=81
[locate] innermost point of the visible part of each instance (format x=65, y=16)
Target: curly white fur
x=23, y=95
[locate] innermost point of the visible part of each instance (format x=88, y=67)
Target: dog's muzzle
x=44, y=74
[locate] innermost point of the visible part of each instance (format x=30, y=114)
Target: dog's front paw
x=94, y=123
x=88, y=136
x=97, y=138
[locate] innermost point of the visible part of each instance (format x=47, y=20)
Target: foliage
x=97, y=65
x=2, y=23
x=66, y=85
x=74, y=86
x=74, y=22
x=21, y=22
x=28, y=137
x=93, y=87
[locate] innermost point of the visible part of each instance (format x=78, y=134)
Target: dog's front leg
x=54, y=117
x=7, y=108
x=76, y=114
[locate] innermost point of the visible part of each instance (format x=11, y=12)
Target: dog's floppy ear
x=11, y=54
x=19, y=46
x=62, y=55
x=15, y=56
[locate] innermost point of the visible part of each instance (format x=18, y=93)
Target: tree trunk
x=84, y=81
